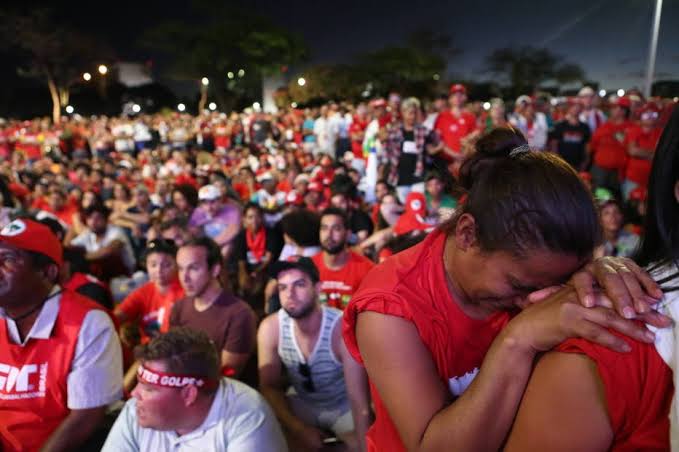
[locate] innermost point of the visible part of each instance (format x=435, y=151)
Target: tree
x=413, y=68
x=51, y=52
x=527, y=68
x=233, y=49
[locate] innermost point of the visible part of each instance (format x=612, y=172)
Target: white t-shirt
x=92, y=243
x=239, y=420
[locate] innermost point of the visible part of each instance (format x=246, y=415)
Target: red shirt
x=151, y=308
x=412, y=285
x=357, y=126
x=34, y=402
x=639, y=393
x=337, y=286
x=453, y=128
x=638, y=170
x=609, y=145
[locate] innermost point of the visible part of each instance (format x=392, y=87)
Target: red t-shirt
x=337, y=286
x=357, y=126
x=638, y=170
x=639, y=393
x=609, y=145
x=151, y=308
x=412, y=285
x=453, y=128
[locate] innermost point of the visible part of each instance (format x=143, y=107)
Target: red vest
x=33, y=390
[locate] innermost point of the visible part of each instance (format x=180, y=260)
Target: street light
x=103, y=69
x=486, y=105
x=301, y=81
x=69, y=109
x=229, y=74
x=205, y=81
x=241, y=72
x=602, y=93
x=136, y=108
x=436, y=76
x=653, y=48
x=256, y=106
x=87, y=76
x=293, y=105
x=621, y=92
x=212, y=106
x=181, y=107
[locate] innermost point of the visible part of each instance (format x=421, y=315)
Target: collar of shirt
x=213, y=416
x=42, y=327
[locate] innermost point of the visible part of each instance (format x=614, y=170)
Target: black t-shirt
x=260, y=130
x=572, y=140
x=408, y=160
x=360, y=221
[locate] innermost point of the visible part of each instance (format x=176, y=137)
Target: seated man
x=182, y=403
x=329, y=394
x=227, y=320
x=60, y=359
x=107, y=246
x=215, y=218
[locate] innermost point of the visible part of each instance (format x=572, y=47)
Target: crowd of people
x=372, y=276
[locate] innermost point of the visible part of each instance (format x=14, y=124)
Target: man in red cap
x=641, y=142
x=455, y=126
x=608, y=146
x=60, y=359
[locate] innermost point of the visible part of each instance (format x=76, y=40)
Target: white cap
x=265, y=176
x=585, y=91
x=301, y=178
x=209, y=193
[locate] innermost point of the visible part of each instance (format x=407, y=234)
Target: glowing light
x=103, y=70
x=87, y=76
x=241, y=72
x=602, y=93
x=621, y=92
x=256, y=106
x=205, y=81
x=229, y=74
x=301, y=81
x=136, y=108
x=436, y=76
x=486, y=105
x=293, y=105
x=69, y=109
x=212, y=106
x=181, y=107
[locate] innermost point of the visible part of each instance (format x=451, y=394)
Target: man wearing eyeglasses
x=328, y=395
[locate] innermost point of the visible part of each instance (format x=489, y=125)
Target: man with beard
x=341, y=270
x=182, y=403
x=227, y=320
x=329, y=391
x=60, y=359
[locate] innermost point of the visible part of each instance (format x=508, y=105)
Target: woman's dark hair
x=660, y=243
x=255, y=206
x=7, y=197
x=524, y=200
x=302, y=226
x=189, y=192
x=94, y=208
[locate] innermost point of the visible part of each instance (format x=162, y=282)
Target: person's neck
x=30, y=303
x=208, y=296
x=611, y=236
x=336, y=261
x=195, y=415
x=408, y=126
x=456, y=110
x=310, y=324
x=456, y=291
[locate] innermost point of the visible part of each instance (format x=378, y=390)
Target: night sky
x=608, y=38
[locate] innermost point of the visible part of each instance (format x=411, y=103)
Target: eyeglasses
x=305, y=371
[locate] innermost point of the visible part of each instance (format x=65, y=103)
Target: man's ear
x=676, y=190
x=189, y=395
x=51, y=272
x=465, y=232
x=216, y=270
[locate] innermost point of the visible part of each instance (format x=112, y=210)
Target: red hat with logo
x=457, y=88
x=649, y=111
x=413, y=216
x=30, y=235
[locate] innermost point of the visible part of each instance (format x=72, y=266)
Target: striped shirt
x=325, y=370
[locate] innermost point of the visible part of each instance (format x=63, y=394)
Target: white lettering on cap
x=16, y=227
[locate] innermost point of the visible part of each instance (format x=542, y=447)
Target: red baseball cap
x=638, y=194
x=412, y=218
x=379, y=102
x=315, y=186
x=457, y=88
x=30, y=235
